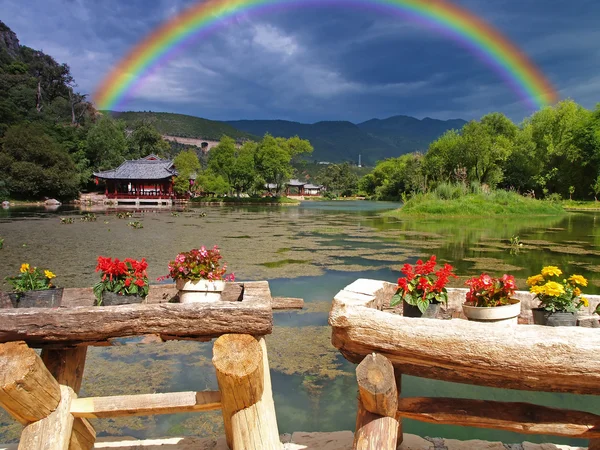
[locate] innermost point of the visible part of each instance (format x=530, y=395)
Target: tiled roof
x=312, y=186
x=141, y=169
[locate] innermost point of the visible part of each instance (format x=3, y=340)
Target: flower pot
x=113, y=299
x=200, y=291
x=554, y=319
x=504, y=313
x=45, y=298
x=431, y=312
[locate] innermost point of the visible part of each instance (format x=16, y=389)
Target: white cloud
x=274, y=40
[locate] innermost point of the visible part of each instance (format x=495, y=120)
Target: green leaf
x=396, y=299
x=422, y=305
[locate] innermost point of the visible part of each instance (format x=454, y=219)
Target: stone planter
x=431, y=312
x=47, y=298
x=553, y=319
x=113, y=299
x=200, y=291
x=504, y=313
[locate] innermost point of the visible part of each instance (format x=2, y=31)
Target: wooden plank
x=52, y=432
x=145, y=404
x=594, y=444
x=287, y=303
x=158, y=293
x=83, y=436
x=28, y=392
x=73, y=326
x=526, y=357
x=517, y=417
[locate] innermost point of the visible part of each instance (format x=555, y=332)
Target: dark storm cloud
x=319, y=63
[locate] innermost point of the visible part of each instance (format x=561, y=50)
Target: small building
x=297, y=187
x=147, y=180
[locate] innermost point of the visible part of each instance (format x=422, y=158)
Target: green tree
x=209, y=182
x=186, y=163
x=107, y=144
x=35, y=165
x=145, y=140
x=339, y=179
x=274, y=155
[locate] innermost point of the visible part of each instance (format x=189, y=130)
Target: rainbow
x=199, y=20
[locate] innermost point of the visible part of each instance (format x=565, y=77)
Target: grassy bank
x=495, y=203
x=580, y=205
x=245, y=200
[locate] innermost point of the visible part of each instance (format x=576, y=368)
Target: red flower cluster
x=199, y=264
x=486, y=291
x=422, y=284
x=126, y=277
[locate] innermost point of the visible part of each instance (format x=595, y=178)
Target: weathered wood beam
x=145, y=404
x=66, y=365
x=526, y=357
x=52, y=432
x=245, y=385
x=72, y=326
x=287, y=303
x=376, y=424
x=28, y=392
x=517, y=417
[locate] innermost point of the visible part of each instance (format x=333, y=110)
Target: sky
x=322, y=62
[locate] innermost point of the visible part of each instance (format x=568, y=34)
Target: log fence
x=525, y=357
x=41, y=392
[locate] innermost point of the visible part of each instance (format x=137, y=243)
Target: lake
x=311, y=251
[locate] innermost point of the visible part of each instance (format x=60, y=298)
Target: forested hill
x=341, y=141
x=182, y=125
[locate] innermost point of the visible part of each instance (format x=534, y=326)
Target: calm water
x=311, y=251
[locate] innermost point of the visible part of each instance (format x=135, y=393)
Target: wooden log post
x=376, y=424
x=52, y=432
x=67, y=365
x=243, y=375
x=28, y=392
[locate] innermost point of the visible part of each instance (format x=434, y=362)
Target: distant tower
x=359, y=163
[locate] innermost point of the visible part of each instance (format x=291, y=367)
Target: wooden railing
x=524, y=357
x=41, y=391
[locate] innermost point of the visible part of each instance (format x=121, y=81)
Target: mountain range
x=333, y=141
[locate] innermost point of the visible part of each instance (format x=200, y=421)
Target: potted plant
x=560, y=298
x=423, y=289
x=490, y=299
x=33, y=287
x=198, y=275
x=122, y=282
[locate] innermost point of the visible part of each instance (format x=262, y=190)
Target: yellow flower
x=576, y=292
x=578, y=279
x=535, y=280
x=585, y=302
x=537, y=289
x=49, y=274
x=550, y=271
x=553, y=289
x=24, y=268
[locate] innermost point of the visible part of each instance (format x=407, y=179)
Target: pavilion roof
x=149, y=168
